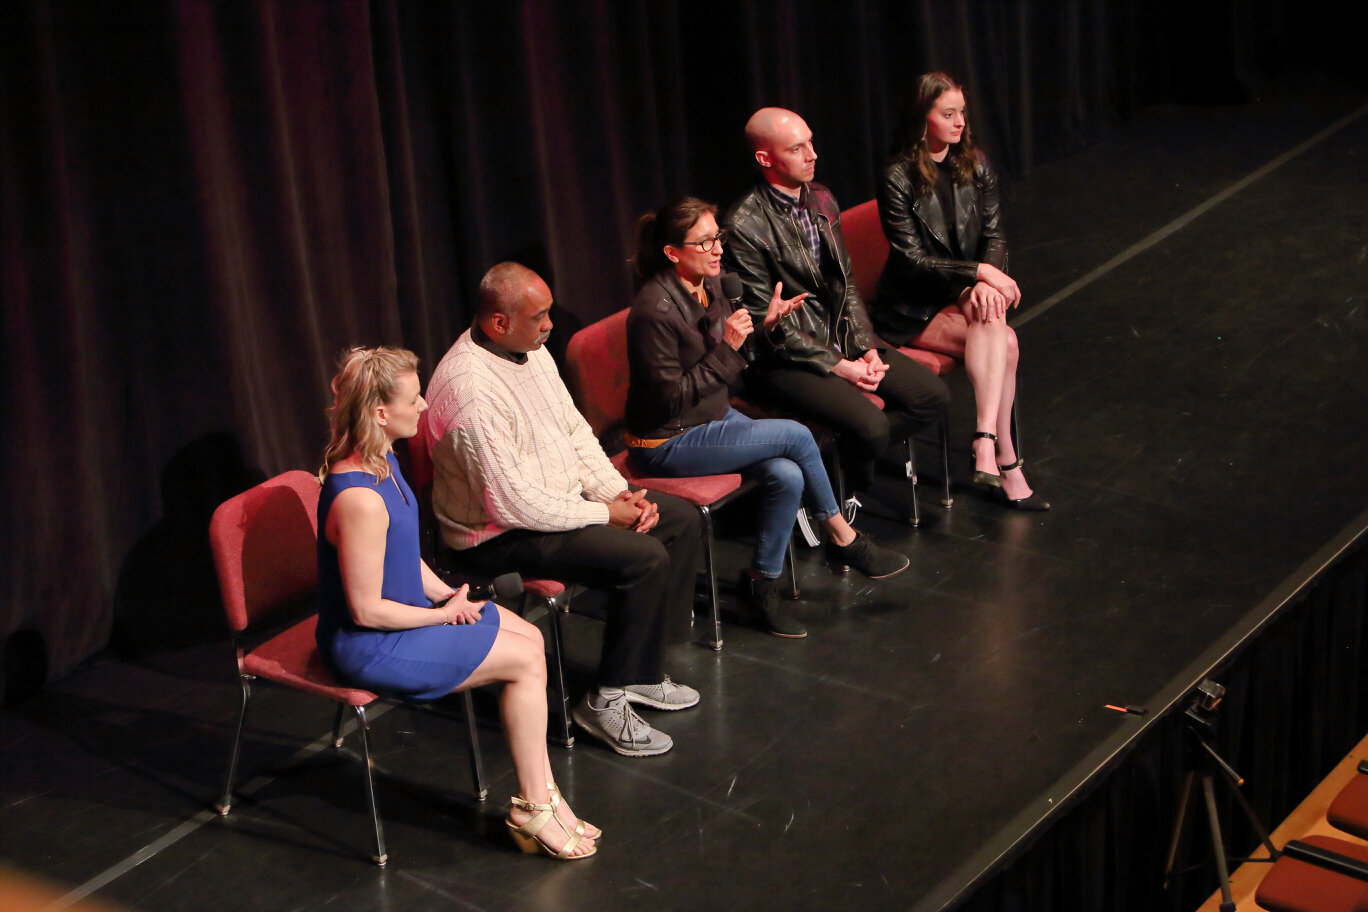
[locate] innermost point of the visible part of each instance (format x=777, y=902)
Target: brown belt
x=635, y=441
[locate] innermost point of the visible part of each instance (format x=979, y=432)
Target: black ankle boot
x=862, y=554
x=760, y=604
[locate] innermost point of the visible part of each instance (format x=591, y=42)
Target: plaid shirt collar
x=799, y=210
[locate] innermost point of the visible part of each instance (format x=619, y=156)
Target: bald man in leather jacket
x=820, y=359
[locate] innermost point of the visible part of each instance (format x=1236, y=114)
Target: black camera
x=1205, y=700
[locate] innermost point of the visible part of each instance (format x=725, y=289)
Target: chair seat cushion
x=701, y=490
x=1349, y=810
x=292, y=658
x=1292, y=885
x=935, y=362
x=543, y=587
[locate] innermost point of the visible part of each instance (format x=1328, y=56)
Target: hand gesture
x=877, y=367
x=459, y=609
x=780, y=308
x=631, y=510
x=650, y=515
x=859, y=374
x=987, y=303
x=1001, y=282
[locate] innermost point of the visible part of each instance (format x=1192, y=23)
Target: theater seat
x=598, y=377
x=1349, y=810
x=264, y=546
x=1297, y=884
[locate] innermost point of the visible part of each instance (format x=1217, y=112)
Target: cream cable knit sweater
x=510, y=449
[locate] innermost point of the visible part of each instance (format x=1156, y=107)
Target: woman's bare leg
x=990, y=353
x=1013, y=480
x=518, y=661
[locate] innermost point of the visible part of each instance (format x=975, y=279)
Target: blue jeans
x=780, y=454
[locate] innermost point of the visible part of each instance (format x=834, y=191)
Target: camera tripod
x=1202, y=758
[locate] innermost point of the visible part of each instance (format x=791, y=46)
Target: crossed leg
x=990, y=354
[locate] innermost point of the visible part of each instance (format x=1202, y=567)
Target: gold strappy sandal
x=527, y=838
x=581, y=826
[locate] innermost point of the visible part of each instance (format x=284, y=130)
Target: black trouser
x=863, y=428
x=649, y=579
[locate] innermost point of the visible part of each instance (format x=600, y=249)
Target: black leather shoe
x=760, y=604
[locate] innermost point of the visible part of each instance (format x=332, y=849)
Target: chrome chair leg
x=337, y=725
x=910, y=469
x=947, y=500
x=706, y=522
x=476, y=760
x=793, y=572
x=561, y=699
x=380, y=856
x=1016, y=428
x=226, y=804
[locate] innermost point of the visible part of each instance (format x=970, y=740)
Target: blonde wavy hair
x=366, y=378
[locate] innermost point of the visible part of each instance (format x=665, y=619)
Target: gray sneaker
x=618, y=726
x=665, y=695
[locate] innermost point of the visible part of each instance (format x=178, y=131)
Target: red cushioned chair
x=1349, y=810
x=596, y=361
x=868, y=252
x=548, y=594
x=264, y=544
x=1317, y=874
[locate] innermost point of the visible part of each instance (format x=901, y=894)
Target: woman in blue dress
x=387, y=622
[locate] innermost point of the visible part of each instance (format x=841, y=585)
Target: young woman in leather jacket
x=945, y=286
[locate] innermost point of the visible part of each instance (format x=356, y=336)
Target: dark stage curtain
x=203, y=203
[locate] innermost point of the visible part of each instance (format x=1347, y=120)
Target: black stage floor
x=1195, y=411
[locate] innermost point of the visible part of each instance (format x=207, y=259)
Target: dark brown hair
x=669, y=224
x=909, y=134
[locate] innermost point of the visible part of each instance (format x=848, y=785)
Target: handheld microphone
x=732, y=289
x=506, y=585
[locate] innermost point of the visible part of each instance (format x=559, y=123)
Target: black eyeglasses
x=708, y=243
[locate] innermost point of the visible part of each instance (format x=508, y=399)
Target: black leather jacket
x=921, y=275
x=681, y=370
x=765, y=245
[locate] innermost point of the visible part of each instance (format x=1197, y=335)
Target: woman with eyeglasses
x=686, y=348
x=945, y=285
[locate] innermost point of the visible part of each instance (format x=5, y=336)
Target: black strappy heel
x=985, y=482
x=1035, y=503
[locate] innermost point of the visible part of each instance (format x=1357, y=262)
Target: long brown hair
x=669, y=224
x=909, y=135
x=366, y=379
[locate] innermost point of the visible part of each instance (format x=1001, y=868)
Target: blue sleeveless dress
x=425, y=662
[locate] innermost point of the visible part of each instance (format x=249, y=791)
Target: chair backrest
x=866, y=244
x=264, y=542
x=596, y=361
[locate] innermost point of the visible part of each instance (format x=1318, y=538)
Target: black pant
x=649, y=579
x=863, y=428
